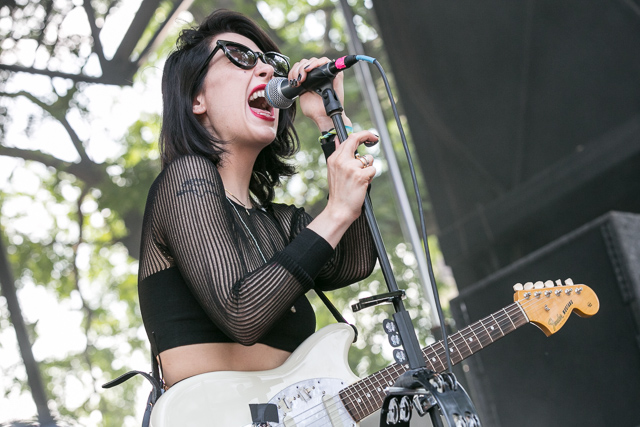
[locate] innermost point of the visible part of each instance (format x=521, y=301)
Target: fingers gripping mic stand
x=438, y=394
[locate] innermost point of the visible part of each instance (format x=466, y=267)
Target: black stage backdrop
x=526, y=122
x=525, y=117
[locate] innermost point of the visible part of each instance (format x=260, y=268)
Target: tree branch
x=95, y=33
x=75, y=139
x=89, y=172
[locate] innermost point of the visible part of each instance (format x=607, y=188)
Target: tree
x=88, y=205
x=72, y=213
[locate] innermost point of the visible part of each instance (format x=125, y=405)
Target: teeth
x=257, y=94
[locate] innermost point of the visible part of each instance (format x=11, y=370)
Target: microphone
x=280, y=94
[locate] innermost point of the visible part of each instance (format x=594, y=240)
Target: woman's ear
x=198, y=106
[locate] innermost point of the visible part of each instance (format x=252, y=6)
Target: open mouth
x=259, y=105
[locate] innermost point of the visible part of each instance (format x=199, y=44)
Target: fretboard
x=364, y=397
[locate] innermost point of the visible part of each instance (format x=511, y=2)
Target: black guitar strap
x=155, y=379
x=332, y=308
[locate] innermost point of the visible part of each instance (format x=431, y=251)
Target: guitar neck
x=364, y=397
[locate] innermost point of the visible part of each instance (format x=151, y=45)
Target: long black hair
x=182, y=133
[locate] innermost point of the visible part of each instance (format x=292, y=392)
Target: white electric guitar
x=315, y=386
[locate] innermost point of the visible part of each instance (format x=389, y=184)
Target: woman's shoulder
x=188, y=173
x=189, y=166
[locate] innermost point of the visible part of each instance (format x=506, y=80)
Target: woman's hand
x=348, y=178
x=310, y=102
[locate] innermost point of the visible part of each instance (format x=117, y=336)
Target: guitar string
x=396, y=367
x=504, y=315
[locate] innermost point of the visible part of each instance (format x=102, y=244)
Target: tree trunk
x=7, y=285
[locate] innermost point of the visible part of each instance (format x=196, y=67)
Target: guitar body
x=305, y=389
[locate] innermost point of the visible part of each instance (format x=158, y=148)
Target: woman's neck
x=235, y=172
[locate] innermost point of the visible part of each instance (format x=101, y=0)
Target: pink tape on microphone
x=340, y=63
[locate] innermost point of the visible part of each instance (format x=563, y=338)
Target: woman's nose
x=263, y=69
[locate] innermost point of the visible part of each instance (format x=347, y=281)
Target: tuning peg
x=558, y=282
x=528, y=286
x=568, y=282
x=538, y=285
x=548, y=284
x=518, y=287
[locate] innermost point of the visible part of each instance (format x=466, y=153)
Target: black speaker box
x=586, y=374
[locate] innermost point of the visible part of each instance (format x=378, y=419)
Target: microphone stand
x=429, y=391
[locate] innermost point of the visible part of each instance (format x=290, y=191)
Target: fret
x=506, y=324
x=485, y=328
x=462, y=334
x=498, y=325
x=494, y=329
x=509, y=317
x=471, y=340
x=430, y=364
x=518, y=315
x=368, y=394
x=347, y=401
x=359, y=396
x=482, y=334
x=434, y=357
x=454, y=351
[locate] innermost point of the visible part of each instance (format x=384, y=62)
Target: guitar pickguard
x=312, y=402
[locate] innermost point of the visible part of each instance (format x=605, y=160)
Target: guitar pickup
x=304, y=394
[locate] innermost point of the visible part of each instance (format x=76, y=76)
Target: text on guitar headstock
x=548, y=304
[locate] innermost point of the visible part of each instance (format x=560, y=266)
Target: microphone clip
x=332, y=104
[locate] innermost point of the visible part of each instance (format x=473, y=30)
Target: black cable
x=423, y=227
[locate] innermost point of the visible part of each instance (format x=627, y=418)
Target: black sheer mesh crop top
x=213, y=271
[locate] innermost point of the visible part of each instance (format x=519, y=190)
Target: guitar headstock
x=548, y=304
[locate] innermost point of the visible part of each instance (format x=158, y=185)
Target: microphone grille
x=274, y=94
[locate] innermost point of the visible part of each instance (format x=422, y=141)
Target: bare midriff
x=189, y=360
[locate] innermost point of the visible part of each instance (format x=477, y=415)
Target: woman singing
x=223, y=269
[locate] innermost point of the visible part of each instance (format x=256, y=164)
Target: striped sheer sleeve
x=353, y=259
